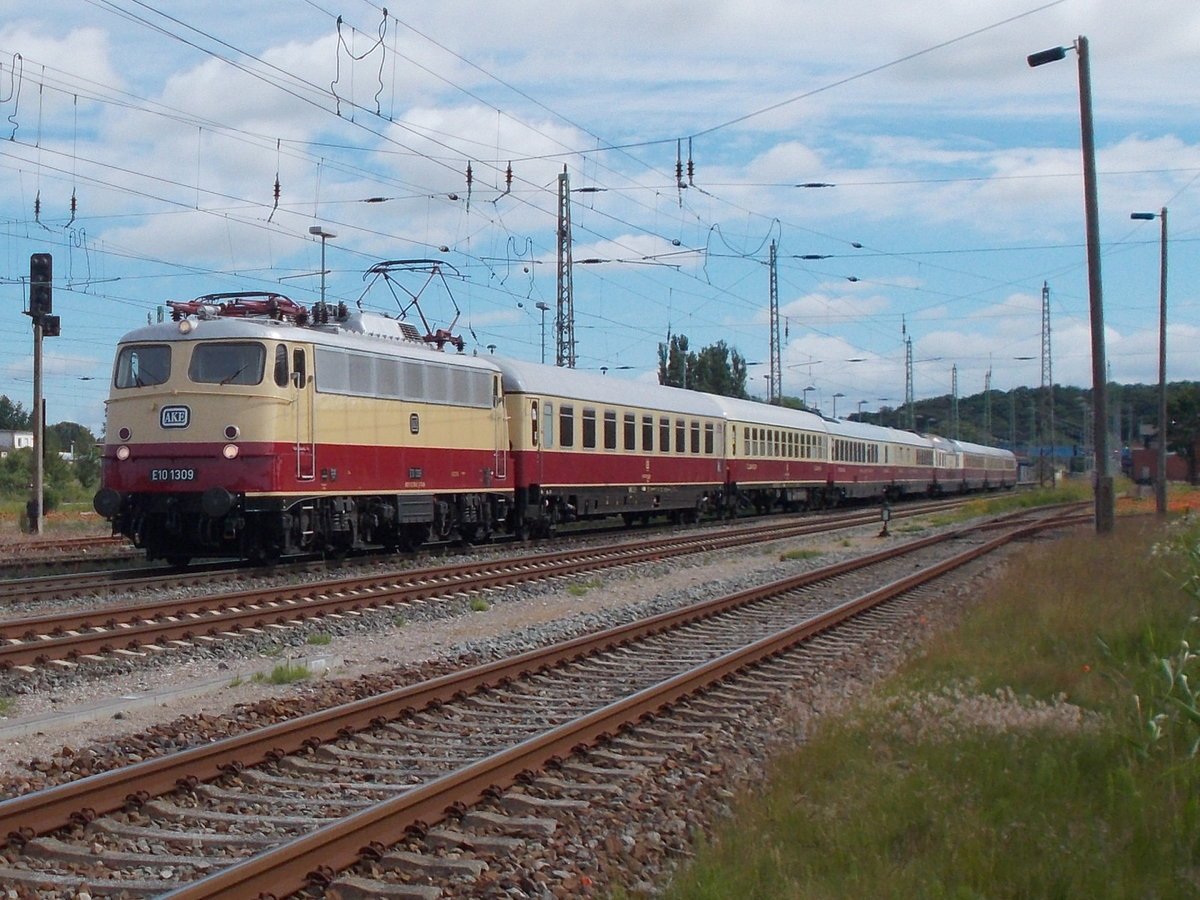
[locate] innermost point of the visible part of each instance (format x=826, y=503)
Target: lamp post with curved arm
x=1104, y=481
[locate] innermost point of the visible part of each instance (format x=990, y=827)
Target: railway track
x=56, y=553
x=79, y=635
x=33, y=589
x=454, y=767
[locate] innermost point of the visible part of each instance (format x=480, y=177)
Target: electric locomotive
x=248, y=427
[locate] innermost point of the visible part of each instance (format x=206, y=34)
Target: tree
x=673, y=359
x=1183, y=431
x=13, y=416
x=716, y=369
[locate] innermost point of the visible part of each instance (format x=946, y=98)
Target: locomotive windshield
x=232, y=363
x=143, y=365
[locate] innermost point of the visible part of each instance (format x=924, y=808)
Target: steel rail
x=22, y=818
x=49, y=586
x=316, y=858
x=37, y=640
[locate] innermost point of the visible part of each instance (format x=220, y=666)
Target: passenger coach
x=586, y=445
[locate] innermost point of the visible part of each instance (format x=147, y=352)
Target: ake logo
x=174, y=417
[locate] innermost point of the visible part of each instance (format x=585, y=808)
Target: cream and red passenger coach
x=252, y=427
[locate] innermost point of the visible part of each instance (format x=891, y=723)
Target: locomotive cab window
x=232, y=363
x=143, y=365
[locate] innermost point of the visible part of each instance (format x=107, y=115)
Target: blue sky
x=955, y=173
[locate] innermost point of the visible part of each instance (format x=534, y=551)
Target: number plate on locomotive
x=172, y=474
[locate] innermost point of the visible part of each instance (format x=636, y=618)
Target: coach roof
x=521, y=377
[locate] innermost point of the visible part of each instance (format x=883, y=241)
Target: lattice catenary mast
x=564, y=317
x=775, y=391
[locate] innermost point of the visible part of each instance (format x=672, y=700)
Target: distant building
x=15, y=440
x=1143, y=466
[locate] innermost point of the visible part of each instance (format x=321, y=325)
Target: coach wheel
x=475, y=534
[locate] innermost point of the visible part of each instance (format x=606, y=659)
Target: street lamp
x=835, y=400
x=324, y=235
x=543, y=307
x=1160, y=483
x=1104, y=480
x=806, y=390
x=860, y=406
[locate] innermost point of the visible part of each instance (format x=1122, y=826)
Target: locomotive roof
x=520, y=376
x=368, y=332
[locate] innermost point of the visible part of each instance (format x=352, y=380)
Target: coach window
x=708, y=438
x=630, y=431
x=589, y=428
x=533, y=422
x=680, y=436
x=143, y=365
x=664, y=435
x=647, y=434
x=566, y=426
x=610, y=429
x=547, y=424
x=695, y=429
x=281, y=365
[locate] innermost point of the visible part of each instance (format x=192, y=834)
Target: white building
x=14, y=440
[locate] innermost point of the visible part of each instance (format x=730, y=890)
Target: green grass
x=1045, y=748
x=319, y=639
x=285, y=673
x=478, y=604
x=579, y=588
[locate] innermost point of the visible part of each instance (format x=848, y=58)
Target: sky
x=921, y=184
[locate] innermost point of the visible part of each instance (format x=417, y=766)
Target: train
x=249, y=426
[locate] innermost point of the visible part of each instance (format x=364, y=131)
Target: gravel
x=55, y=708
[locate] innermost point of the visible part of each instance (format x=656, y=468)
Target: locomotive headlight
x=232, y=432
x=230, y=451
x=122, y=452
x=186, y=326
x=124, y=433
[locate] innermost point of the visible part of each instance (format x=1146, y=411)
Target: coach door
x=499, y=430
x=306, y=451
